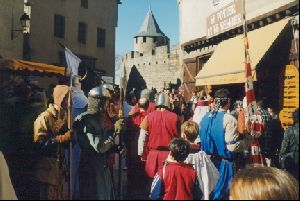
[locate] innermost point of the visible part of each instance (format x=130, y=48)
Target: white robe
x=207, y=173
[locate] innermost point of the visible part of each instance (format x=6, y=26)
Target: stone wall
x=157, y=67
x=11, y=11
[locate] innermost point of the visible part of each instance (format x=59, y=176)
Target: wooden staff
x=121, y=115
x=70, y=144
x=70, y=102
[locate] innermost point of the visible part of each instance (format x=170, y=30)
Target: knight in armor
x=51, y=134
x=221, y=140
x=161, y=126
x=96, y=136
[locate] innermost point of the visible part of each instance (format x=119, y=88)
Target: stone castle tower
x=151, y=64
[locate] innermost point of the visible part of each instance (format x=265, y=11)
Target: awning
x=226, y=65
x=39, y=68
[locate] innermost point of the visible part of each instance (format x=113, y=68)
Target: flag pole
x=69, y=127
x=73, y=64
x=256, y=156
x=121, y=137
x=63, y=47
x=71, y=143
x=121, y=115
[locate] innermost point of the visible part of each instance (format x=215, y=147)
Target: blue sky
x=132, y=14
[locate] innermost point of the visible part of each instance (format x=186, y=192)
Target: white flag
x=72, y=61
x=123, y=80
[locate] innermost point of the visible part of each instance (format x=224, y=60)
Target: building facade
x=214, y=58
x=80, y=25
x=151, y=64
x=11, y=45
x=195, y=41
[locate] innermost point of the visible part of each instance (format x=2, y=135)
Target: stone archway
x=136, y=81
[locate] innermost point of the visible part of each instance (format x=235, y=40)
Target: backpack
x=290, y=160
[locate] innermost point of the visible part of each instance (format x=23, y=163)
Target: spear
x=121, y=115
x=73, y=63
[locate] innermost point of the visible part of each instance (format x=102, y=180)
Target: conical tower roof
x=150, y=27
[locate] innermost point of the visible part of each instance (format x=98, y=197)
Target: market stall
x=23, y=87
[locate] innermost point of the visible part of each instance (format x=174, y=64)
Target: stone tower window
x=144, y=39
x=136, y=40
x=154, y=39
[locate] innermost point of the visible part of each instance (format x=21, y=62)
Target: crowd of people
x=197, y=149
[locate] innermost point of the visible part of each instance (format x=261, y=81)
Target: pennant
x=72, y=61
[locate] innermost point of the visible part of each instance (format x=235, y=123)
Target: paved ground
x=139, y=190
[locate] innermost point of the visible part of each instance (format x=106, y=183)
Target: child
x=206, y=171
x=176, y=180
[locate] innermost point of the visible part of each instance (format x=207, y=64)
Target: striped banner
x=249, y=89
x=253, y=117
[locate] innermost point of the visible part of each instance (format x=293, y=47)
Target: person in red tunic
x=161, y=126
x=136, y=166
x=176, y=180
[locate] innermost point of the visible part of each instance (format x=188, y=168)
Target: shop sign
x=290, y=95
x=227, y=18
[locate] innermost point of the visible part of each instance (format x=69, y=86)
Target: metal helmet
x=163, y=100
x=146, y=93
x=99, y=92
x=97, y=98
x=108, y=86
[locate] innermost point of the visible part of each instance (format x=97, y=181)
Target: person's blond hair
x=264, y=183
x=191, y=130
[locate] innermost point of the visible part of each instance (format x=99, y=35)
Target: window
x=62, y=58
x=100, y=37
x=82, y=32
x=201, y=61
x=85, y=4
x=144, y=39
x=87, y=62
x=59, y=26
x=154, y=39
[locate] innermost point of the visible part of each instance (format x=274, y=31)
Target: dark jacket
x=289, y=153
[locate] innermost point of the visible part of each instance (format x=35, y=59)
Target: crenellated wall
x=157, y=67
